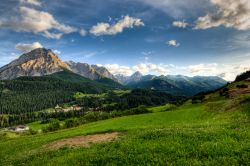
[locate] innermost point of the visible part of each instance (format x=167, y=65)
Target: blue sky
x=191, y=37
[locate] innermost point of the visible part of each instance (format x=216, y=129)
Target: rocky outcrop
x=38, y=62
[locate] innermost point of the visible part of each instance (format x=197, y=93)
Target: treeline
x=130, y=100
x=83, y=116
x=243, y=76
x=92, y=116
x=11, y=120
x=30, y=94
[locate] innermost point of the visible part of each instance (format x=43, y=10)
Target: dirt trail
x=83, y=141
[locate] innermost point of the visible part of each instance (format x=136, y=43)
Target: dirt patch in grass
x=237, y=92
x=83, y=141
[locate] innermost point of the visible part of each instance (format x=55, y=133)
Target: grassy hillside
x=213, y=132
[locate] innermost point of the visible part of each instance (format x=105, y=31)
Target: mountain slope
x=38, y=62
x=216, y=128
x=104, y=72
x=179, y=85
x=84, y=70
x=76, y=78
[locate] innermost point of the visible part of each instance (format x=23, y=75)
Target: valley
x=214, y=131
x=125, y=83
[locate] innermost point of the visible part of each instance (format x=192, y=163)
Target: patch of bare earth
x=236, y=92
x=83, y=141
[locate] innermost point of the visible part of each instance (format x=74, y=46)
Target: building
x=20, y=128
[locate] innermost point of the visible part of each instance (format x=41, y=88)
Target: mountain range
x=42, y=62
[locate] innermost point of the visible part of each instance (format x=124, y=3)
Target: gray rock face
x=104, y=72
x=136, y=77
x=41, y=62
x=84, y=70
x=38, y=62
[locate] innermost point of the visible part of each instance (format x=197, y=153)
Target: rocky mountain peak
x=137, y=76
x=37, y=62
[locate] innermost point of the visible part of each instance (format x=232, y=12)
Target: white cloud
x=37, y=22
x=108, y=29
x=117, y=69
x=225, y=71
x=83, y=32
x=180, y=24
x=28, y=47
x=32, y=2
x=52, y=35
x=229, y=13
x=203, y=68
x=146, y=68
x=173, y=43
x=57, y=52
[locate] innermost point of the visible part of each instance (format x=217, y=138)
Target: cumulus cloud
x=31, y=2
x=108, y=29
x=180, y=24
x=202, y=68
x=83, y=32
x=117, y=69
x=38, y=22
x=229, y=13
x=28, y=47
x=173, y=43
x=145, y=68
x=225, y=71
x=57, y=52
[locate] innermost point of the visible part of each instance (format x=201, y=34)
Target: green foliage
x=140, y=110
x=214, y=132
x=198, y=99
x=71, y=123
x=32, y=131
x=53, y=125
x=243, y=76
x=224, y=92
x=242, y=86
x=186, y=135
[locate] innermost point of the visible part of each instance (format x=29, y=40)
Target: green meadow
x=192, y=134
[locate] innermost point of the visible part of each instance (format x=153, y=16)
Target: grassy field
x=215, y=132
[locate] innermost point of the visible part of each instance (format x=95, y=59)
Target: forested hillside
x=29, y=94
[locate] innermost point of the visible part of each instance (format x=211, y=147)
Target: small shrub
x=224, y=92
x=198, y=99
x=32, y=132
x=71, y=123
x=140, y=110
x=54, y=125
x=242, y=86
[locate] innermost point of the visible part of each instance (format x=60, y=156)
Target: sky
x=161, y=37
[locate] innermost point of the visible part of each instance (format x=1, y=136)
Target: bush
x=32, y=132
x=224, y=92
x=95, y=116
x=198, y=99
x=71, y=123
x=54, y=125
x=140, y=110
x=242, y=86
x=243, y=76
